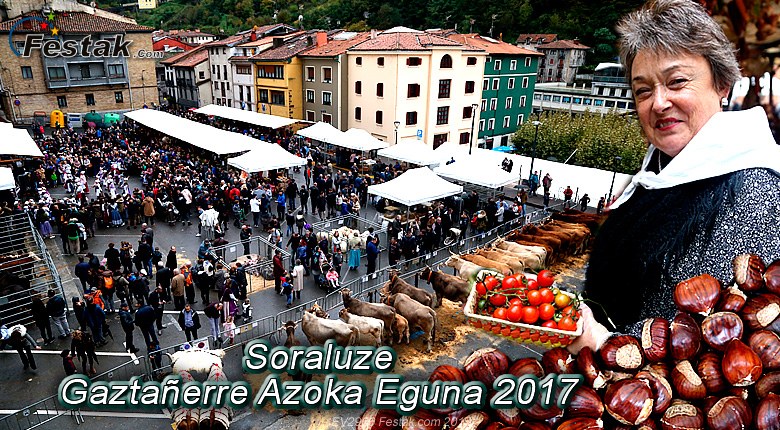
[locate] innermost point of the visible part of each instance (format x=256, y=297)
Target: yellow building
x=147, y=4
x=279, y=77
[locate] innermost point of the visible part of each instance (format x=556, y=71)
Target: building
x=188, y=79
x=507, y=87
x=106, y=81
x=325, y=78
x=562, y=59
x=528, y=41
x=607, y=90
x=414, y=84
x=170, y=44
x=190, y=37
x=147, y=4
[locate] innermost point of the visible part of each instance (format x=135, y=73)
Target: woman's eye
x=677, y=83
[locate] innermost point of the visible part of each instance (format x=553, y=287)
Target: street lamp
x=614, y=173
x=474, y=107
x=396, y=124
x=536, y=124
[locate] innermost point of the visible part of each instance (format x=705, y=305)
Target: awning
x=17, y=141
x=450, y=150
x=411, y=151
x=247, y=116
x=203, y=136
x=7, y=181
x=361, y=140
x=267, y=156
x=323, y=132
x=474, y=171
x=415, y=186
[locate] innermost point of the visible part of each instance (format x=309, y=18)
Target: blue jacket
x=372, y=250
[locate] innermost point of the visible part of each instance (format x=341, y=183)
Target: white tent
x=323, y=132
x=265, y=157
x=411, y=151
x=361, y=140
x=203, y=136
x=415, y=186
x=449, y=150
x=247, y=116
x=7, y=181
x=477, y=172
x=17, y=141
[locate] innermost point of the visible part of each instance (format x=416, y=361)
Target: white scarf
x=728, y=142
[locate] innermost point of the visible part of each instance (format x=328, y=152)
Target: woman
x=354, y=251
x=708, y=187
x=297, y=279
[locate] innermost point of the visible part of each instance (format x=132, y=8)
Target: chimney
x=278, y=41
x=373, y=33
x=322, y=38
x=252, y=36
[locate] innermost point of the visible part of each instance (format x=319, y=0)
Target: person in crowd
x=189, y=282
x=82, y=272
x=41, y=318
x=171, y=261
x=96, y=320
x=106, y=287
x=287, y=291
x=568, y=193
x=584, y=202
x=707, y=188
x=79, y=309
x=355, y=246
x=214, y=312
x=67, y=362
x=600, y=205
x=83, y=346
x=278, y=271
x=189, y=322
x=57, y=310
x=177, y=289
x=297, y=279
x=127, y=322
x=394, y=251
x=145, y=318
x=245, y=235
x=372, y=253
x=229, y=329
x=157, y=301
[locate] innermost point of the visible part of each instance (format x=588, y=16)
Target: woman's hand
x=594, y=334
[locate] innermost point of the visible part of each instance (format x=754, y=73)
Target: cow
x=531, y=260
x=446, y=286
x=398, y=285
x=416, y=314
x=538, y=252
x=374, y=310
x=401, y=327
x=196, y=360
x=513, y=262
x=186, y=418
x=466, y=269
x=498, y=266
x=553, y=245
x=291, y=341
x=318, y=330
x=592, y=221
x=370, y=328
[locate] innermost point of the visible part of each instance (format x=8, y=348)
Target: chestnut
x=772, y=277
x=731, y=300
x=662, y=390
x=585, y=402
x=622, y=353
x=684, y=337
x=760, y=311
x=629, y=401
x=508, y=417
x=741, y=366
x=448, y=373
x=719, y=328
x=768, y=383
x=581, y=423
x=767, y=345
x=527, y=366
x=748, y=272
x=709, y=369
x=586, y=363
x=485, y=365
x=697, y=295
x=768, y=413
x=687, y=383
x=473, y=421
x=729, y=413
x=532, y=425
x=536, y=412
x=682, y=416
x=649, y=424
x=559, y=361
x=655, y=338
x=661, y=369
x=378, y=419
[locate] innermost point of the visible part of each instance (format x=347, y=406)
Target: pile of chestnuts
x=715, y=366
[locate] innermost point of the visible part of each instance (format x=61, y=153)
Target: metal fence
x=257, y=262
x=356, y=223
x=37, y=414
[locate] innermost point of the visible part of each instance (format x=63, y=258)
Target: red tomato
x=546, y=311
x=498, y=300
x=500, y=313
x=566, y=323
x=550, y=324
x=530, y=314
x=534, y=298
x=569, y=311
x=491, y=282
x=520, y=278
x=481, y=290
x=515, y=301
x=509, y=283
x=515, y=313
x=545, y=278
x=532, y=285
x=547, y=295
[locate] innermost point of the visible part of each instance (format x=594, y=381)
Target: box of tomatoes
x=525, y=307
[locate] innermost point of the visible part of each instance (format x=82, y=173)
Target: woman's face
x=675, y=96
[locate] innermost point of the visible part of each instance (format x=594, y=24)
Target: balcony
x=610, y=79
x=86, y=82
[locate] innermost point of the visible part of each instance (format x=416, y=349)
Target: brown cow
x=398, y=285
x=513, y=262
x=479, y=260
x=374, y=310
x=401, y=328
x=318, y=330
x=292, y=341
x=534, y=257
x=446, y=286
x=416, y=314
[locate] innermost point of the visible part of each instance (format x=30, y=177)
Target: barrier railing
x=264, y=327
x=37, y=414
x=125, y=371
x=356, y=223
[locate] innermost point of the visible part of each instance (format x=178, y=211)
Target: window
x=244, y=70
x=491, y=123
x=469, y=87
x=326, y=98
x=599, y=102
x=240, y=93
x=359, y=61
x=413, y=61
x=578, y=100
x=497, y=65
x=496, y=83
x=118, y=71
x=224, y=70
x=566, y=99
x=358, y=114
x=216, y=85
x=85, y=72
x=444, y=88
x=230, y=103
x=506, y=122
x=467, y=112
x=528, y=62
x=442, y=115
x=277, y=98
x=556, y=99
x=62, y=101
x=27, y=72
x=520, y=120
x=119, y=97
x=511, y=83
x=269, y=72
x=465, y=138
x=380, y=61
x=309, y=96
x=413, y=90
x=310, y=116
x=90, y=99
x=508, y=103
x=263, y=96
x=201, y=75
x=358, y=87
x=482, y=125
x=446, y=62
x=380, y=90
x=310, y=74
x=327, y=75
x=471, y=61
x=552, y=61
x=525, y=82
x=588, y=102
x=483, y=105
x=378, y=117
x=513, y=65
x=439, y=139
x=411, y=118
x=522, y=101
x=327, y=118
x=228, y=86
x=493, y=104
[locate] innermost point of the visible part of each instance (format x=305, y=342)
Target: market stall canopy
x=361, y=140
x=203, y=136
x=265, y=157
x=323, y=132
x=450, y=150
x=415, y=186
x=7, y=181
x=247, y=116
x=17, y=141
x=477, y=172
x=411, y=151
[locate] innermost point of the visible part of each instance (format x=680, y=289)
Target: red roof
x=290, y=48
x=230, y=40
x=187, y=59
x=535, y=38
x=492, y=46
x=335, y=47
x=74, y=22
x=402, y=41
x=563, y=44
x=159, y=44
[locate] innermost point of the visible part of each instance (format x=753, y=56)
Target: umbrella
x=91, y=124
x=507, y=149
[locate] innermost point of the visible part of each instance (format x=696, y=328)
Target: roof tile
x=75, y=22
x=404, y=42
x=563, y=44
x=492, y=46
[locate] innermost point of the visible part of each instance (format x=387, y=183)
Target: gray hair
x=675, y=26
